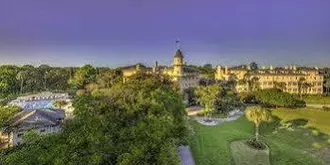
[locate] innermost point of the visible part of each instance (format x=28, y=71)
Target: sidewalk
x=186, y=157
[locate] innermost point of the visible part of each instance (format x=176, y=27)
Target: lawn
x=211, y=145
x=317, y=99
x=316, y=118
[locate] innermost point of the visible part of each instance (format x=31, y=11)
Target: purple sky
x=120, y=32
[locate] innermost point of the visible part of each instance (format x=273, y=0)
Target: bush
x=259, y=145
x=277, y=98
x=247, y=98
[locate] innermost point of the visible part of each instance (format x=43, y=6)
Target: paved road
x=186, y=157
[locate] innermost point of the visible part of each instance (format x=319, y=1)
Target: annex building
x=291, y=76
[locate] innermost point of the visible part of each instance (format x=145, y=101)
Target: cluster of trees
x=89, y=79
x=207, y=71
x=141, y=121
x=218, y=99
x=17, y=80
x=276, y=98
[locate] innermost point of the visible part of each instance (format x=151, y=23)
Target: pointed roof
x=178, y=53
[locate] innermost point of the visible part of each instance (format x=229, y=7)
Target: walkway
x=186, y=157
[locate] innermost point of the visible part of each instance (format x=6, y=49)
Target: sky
x=121, y=32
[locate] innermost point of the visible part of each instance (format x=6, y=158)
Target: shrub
x=277, y=98
x=247, y=98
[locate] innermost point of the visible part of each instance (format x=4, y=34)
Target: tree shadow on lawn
x=268, y=128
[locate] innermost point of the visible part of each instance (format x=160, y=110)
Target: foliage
x=254, y=66
x=6, y=113
x=28, y=79
x=207, y=71
x=83, y=76
x=207, y=96
x=139, y=122
x=228, y=102
x=60, y=103
x=280, y=85
x=257, y=115
x=303, y=87
x=246, y=97
x=277, y=98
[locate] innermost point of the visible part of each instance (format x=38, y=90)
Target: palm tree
x=59, y=104
x=253, y=83
x=301, y=86
x=280, y=85
x=327, y=87
x=257, y=115
x=21, y=77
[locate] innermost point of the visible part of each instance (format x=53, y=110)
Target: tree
x=327, y=86
x=83, y=76
x=303, y=87
x=60, y=103
x=107, y=78
x=207, y=96
x=21, y=77
x=257, y=115
x=280, y=85
x=6, y=113
x=44, y=71
x=253, y=84
x=254, y=66
x=138, y=122
x=276, y=98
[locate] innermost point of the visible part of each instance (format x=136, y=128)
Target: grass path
x=211, y=145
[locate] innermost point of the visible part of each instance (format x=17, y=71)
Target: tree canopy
x=138, y=122
x=276, y=98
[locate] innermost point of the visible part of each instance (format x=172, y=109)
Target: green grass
x=245, y=155
x=316, y=118
x=315, y=99
x=211, y=145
